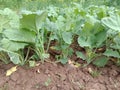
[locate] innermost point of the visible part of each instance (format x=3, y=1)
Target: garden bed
x=67, y=48
x=51, y=76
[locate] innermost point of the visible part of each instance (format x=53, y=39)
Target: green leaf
x=81, y=55
x=39, y=20
x=45, y=55
x=22, y=35
x=67, y=37
x=63, y=60
x=110, y=52
x=32, y=63
x=112, y=22
x=101, y=61
x=8, y=19
x=88, y=26
x=28, y=22
x=116, y=44
x=1, y=37
x=14, y=57
x=11, y=45
x=84, y=41
x=33, y=22
x=99, y=38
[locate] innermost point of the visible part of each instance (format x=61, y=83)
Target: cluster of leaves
x=26, y=32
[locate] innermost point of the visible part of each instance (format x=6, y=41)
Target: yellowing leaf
x=77, y=64
x=74, y=64
x=11, y=70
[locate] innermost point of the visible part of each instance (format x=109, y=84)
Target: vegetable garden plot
x=73, y=37
x=95, y=28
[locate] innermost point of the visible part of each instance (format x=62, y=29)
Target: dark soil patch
x=50, y=76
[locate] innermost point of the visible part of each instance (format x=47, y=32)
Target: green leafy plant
x=90, y=38
x=33, y=23
x=28, y=33
x=28, y=36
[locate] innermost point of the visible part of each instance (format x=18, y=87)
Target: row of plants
x=38, y=4
x=26, y=36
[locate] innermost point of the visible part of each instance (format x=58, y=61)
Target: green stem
x=27, y=54
x=48, y=43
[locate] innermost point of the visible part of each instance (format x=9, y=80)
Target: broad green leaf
x=99, y=38
x=32, y=22
x=88, y=26
x=112, y=22
x=11, y=45
x=28, y=22
x=22, y=35
x=8, y=19
x=101, y=61
x=92, y=35
x=81, y=55
x=14, y=57
x=110, y=52
x=67, y=37
x=39, y=19
x=84, y=41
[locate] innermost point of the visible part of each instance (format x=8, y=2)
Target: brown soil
x=51, y=76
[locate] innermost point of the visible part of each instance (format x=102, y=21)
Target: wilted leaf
x=77, y=64
x=11, y=70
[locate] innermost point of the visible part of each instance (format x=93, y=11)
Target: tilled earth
x=51, y=76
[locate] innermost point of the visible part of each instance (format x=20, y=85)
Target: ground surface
x=49, y=76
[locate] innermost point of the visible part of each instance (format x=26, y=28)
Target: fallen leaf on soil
x=70, y=62
x=37, y=64
x=74, y=64
x=11, y=70
x=90, y=70
x=77, y=64
x=38, y=71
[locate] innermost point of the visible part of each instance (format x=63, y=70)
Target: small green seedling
x=47, y=83
x=94, y=73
